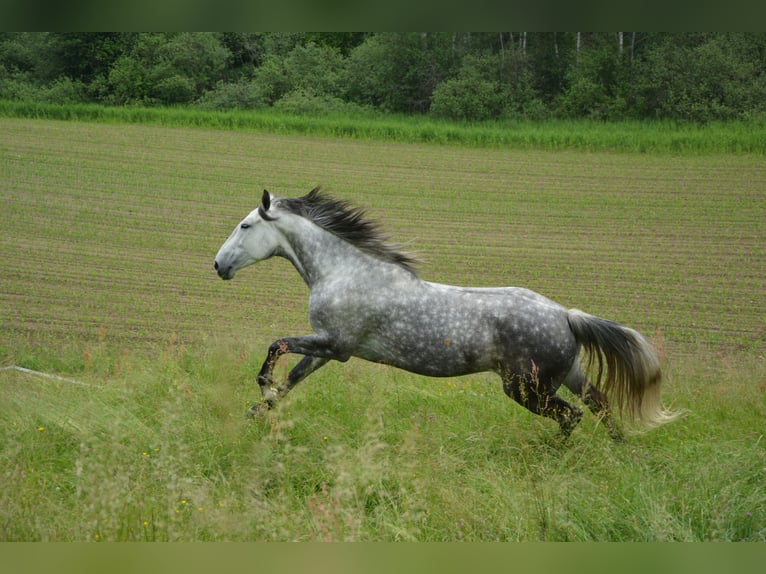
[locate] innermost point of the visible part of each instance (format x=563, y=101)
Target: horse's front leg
x=317, y=350
x=265, y=379
x=303, y=369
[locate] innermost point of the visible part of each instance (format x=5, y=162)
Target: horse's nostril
x=215, y=265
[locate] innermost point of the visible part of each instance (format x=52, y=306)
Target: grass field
x=663, y=136
x=108, y=238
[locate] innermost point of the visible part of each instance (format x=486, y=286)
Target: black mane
x=349, y=223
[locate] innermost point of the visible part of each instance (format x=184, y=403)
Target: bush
x=718, y=79
x=126, y=81
x=476, y=93
x=467, y=99
x=584, y=98
x=64, y=91
x=198, y=58
x=61, y=91
x=311, y=69
x=244, y=95
x=535, y=109
x=303, y=102
x=398, y=72
x=167, y=70
x=175, y=89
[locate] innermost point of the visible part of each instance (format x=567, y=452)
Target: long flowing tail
x=628, y=368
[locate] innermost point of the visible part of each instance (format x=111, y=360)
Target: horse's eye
x=245, y=226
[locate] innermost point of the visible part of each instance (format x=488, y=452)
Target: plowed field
x=113, y=229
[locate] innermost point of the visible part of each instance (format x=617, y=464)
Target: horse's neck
x=318, y=254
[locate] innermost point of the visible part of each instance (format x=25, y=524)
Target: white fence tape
x=45, y=375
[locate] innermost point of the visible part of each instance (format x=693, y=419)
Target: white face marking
x=252, y=240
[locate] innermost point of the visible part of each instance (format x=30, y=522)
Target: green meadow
x=130, y=426
x=663, y=136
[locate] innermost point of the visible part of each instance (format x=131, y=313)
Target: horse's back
x=443, y=330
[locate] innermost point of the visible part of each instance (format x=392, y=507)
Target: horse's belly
x=446, y=355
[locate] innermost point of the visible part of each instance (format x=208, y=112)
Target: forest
x=696, y=77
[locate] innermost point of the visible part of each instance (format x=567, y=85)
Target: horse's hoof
x=616, y=434
x=257, y=410
x=568, y=423
x=561, y=437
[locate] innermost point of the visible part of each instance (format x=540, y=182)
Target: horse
x=367, y=300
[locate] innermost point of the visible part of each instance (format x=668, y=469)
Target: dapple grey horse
x=366, y=300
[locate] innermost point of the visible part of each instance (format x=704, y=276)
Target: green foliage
x=307, y=113
x=308, y=69
x=398, y=72
x=307, y=103
x=465, y=76
x=167, y=69
x=488, y=86
x=244, y=95
x=20, y=53
x=585, y=98
x=720, y=78
x=467, y=99
x=63, y=91
x=475, y=94
x=82, y=56
x=126, y=81
x=593, y=85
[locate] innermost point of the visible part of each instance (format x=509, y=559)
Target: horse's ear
x=266, y=200
x=264, y=207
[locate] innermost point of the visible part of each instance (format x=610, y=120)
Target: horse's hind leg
x=528, y=391
x=597, y=402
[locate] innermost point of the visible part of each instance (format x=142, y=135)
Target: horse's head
x=254, y=239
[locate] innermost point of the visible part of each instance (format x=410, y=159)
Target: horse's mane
x=349, y=223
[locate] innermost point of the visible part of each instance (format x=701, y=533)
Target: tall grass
x=631, y=136
x=109, y=233
x=158, y=449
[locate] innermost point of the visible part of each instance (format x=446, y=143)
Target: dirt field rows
x=114, y=228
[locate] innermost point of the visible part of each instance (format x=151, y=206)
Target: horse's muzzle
x=223, y=272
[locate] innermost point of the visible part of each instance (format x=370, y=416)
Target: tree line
x=457, y=75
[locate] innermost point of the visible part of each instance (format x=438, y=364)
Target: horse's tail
x=632, y=378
